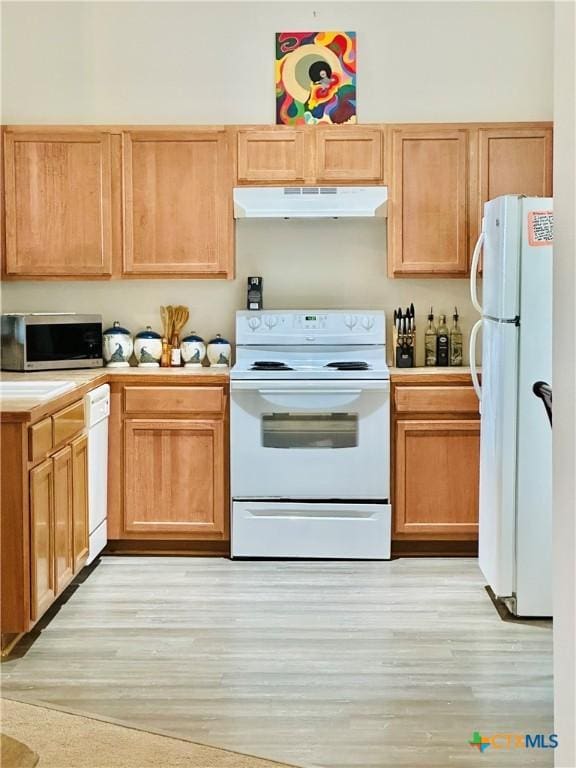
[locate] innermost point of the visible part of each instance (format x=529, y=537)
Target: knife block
x=404, y=348
x=404, y=357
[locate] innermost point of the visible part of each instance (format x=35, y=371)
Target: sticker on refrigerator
x=540, y=227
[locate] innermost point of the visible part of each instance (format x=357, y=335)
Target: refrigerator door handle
x=473, y=368
x=474, y=270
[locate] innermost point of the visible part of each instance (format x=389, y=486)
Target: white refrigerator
x=515, y=522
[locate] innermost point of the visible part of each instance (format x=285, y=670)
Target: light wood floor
x=315, y=663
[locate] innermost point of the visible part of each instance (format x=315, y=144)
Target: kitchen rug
x=14, y=754
x=64, y=740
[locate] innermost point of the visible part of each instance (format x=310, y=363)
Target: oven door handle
x=310, y=386
x=323, y=400
x=309, y=391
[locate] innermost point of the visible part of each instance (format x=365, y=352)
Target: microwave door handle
x=474, y=271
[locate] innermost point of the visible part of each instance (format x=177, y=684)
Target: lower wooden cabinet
x=174, y=481
x=437, y=463
x=63, y=566
x=58, y=523
x=41, y=538
x=436, y=460
x=168, y=491
x=80, y=523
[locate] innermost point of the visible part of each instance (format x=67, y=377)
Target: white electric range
x=309, y=424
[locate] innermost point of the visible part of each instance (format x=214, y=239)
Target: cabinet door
x=436, y=478
x=80, y=501
x=174, y=477
x=178, y=204
x=427, y=220
x=63, y=560
x=513, y=161
x=348, y=155
x=58, y=204
x=276, y=155
x=41, y=538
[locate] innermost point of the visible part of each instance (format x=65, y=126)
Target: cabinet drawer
x=68, y=422
x=436, y=400
x=40, y=439
x=173, y=399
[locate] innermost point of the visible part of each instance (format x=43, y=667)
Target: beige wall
x=305, y=264
x=213, y=62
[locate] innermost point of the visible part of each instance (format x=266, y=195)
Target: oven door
x=310, y=439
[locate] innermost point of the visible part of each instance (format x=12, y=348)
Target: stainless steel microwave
x=50, y=341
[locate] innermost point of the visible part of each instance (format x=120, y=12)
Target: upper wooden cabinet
x=58, y=203
x=511, y=161
x=272, y=155
x=177, y=188
x=349, y=154
x=427, y=216
x=115, y=201
x=442, y=176
x=310, y=155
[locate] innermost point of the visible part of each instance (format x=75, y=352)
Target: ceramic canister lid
x=116, y=328
x=193, y=336
x=219, y=340
x=148, y=334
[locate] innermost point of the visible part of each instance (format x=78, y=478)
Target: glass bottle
x=430, y=341
x=455, y=340
x=442, y=342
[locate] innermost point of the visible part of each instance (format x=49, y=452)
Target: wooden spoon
x=181, y=315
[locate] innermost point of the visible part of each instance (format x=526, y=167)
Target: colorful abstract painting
x=315, y=77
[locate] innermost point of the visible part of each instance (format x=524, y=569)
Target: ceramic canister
x=193, y=349
x=219, y=351
x=148, y=348
x=117, y=346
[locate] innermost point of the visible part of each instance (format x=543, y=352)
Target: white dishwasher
x=97, y=413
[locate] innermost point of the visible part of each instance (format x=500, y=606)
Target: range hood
x=309, y=202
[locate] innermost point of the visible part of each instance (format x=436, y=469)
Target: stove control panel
x=310, y=327
x=310, y=322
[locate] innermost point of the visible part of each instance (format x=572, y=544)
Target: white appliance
x=310, y=423
x=310, y=202
x=515, y=525
x=97, y=404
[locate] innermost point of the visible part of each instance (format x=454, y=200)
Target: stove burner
x=270, y=365
x=349, y=365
